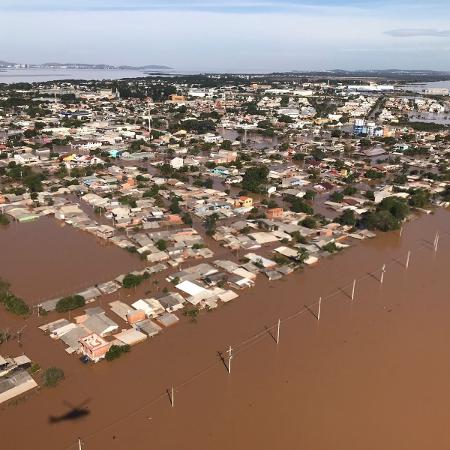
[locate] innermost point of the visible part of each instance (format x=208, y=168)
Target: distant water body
x=420, y=87
x=42, y=75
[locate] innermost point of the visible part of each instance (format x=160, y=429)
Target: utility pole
x=19, y=334
x=320, y=304
x=172, y=397
x=80, y=444
x=230, y=357
x=278, y=330
x=407, y=260
x=383, y=269
x=436, y=241
x=38, y=309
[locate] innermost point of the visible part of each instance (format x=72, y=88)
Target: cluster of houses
x=203, y=286
x=14, y=377
x=152, y=176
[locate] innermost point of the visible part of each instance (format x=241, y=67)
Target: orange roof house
x=94, y=347
x=274, y=213
x=243, y=202
x=135, y=316
x=177, y=98
x=173, y=219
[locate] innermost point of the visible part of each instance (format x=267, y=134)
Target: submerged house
x=94, y=347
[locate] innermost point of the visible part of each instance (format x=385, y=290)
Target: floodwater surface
x=372, y=374
x=47, y=259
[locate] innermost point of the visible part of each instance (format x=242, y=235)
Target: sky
x=230, y=35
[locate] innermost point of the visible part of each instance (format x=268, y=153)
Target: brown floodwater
x=46, y=259
x=371, y=374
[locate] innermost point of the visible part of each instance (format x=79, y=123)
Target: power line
x=252, y=340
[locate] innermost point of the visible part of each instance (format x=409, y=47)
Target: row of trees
x=388, y=215
x=69, y=303
x=10, y=302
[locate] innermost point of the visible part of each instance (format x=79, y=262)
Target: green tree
x=70, y=303
x=380, y=220
x=175, y=206
x=309, y=195
x=187, y=218
x=131, y=280
x=302, y=255
x=331, y=247
x=298, y=205
x=347, y=218
x=396, y=206
x=161, y=244
x=337, y=197
x=309, y=222
x=254, y=177
x=4, y=219
x=420, y=198
x=226, y=144
x=349, y=190
x=116, y=351
x=53, y=376
x=210, y=224
x=374, y=174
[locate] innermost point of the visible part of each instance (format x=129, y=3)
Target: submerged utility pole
x=79, y=444
x=278, y=330
x=19, y=335
x=436, y=241
x=353, y=289
x=230, y=357
x=172, y=397
x=407, y=259
x=320, y=304
x=383, y=269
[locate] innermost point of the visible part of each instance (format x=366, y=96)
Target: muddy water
x=46, y=259
x=371, y=374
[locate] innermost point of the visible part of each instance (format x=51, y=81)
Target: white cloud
x=214, y=41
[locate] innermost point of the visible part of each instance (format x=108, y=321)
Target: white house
x=177, y=162
x=26, y=158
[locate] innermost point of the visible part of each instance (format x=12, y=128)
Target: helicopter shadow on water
x=74, y=413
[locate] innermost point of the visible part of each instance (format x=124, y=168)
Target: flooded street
x=46, y=259
x=371, y=374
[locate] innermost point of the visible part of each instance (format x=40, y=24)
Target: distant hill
x=374, y=72
x=148, y=67
x=385, y=74
x=6, y=64
x=99, y=66
x=57, y=65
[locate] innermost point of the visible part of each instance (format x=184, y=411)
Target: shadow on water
x=221, y=356
x=308, y=308
x=270, y=333
x=74, y=412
